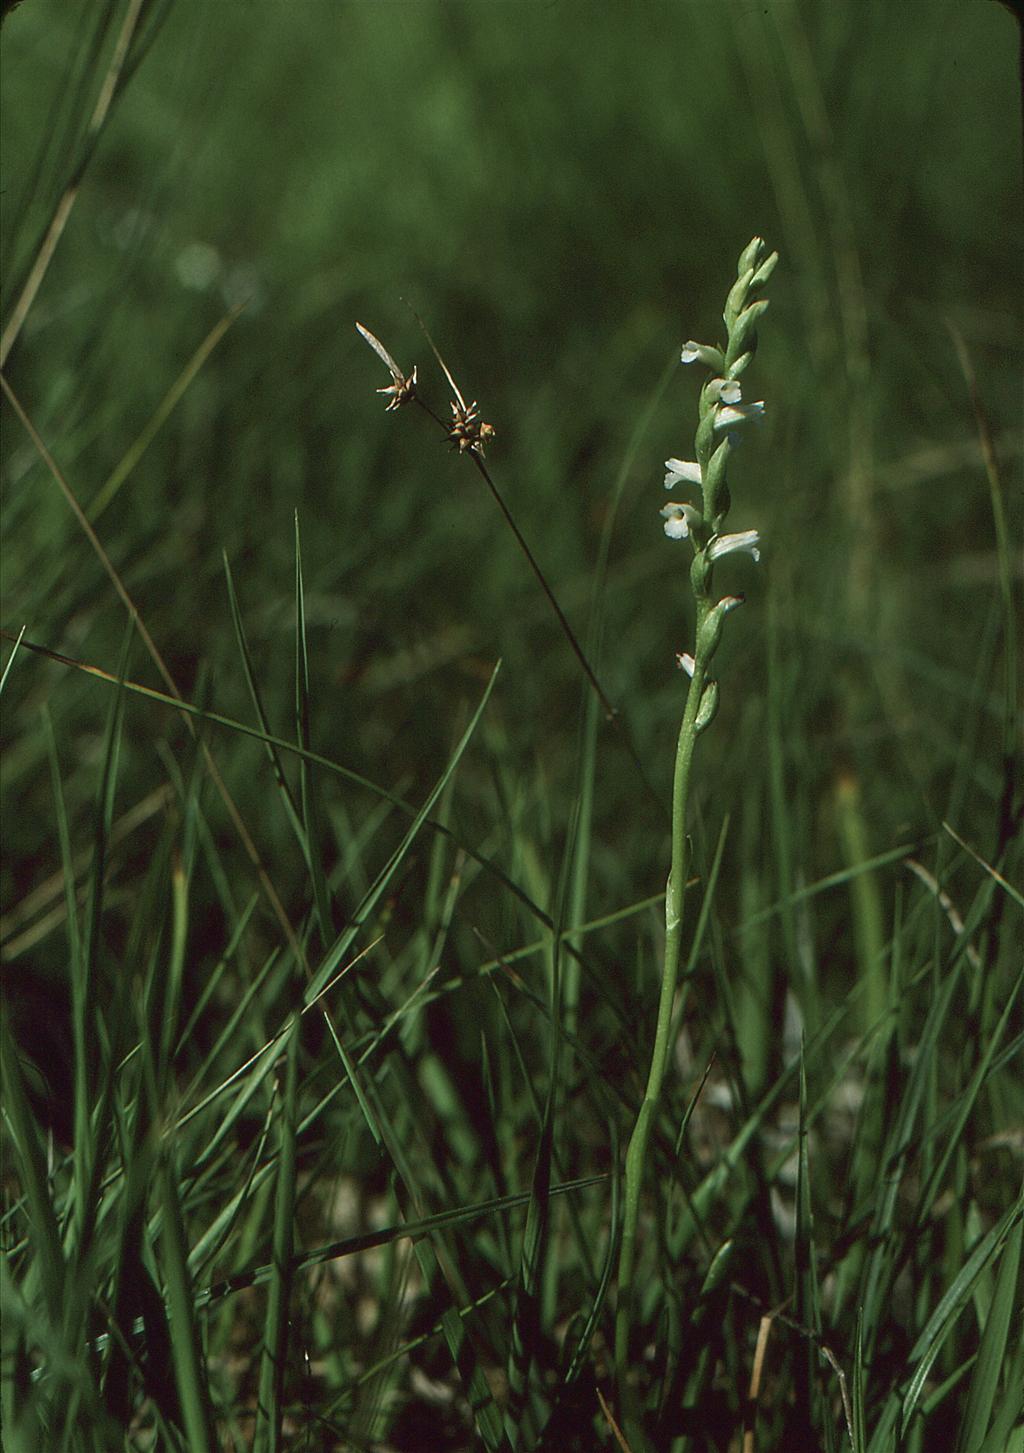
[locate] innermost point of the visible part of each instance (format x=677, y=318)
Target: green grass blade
x=270, y=1407
x=993, y=1356
x=953, y=1302
x=424, y=1226
x=186, y=1344
x=10, y=659
x=965, y=1104
x=135, y=451
x=807, y=1299
x=282, y=744
x=272, y=744
x=374, y=893
x=31, y=1167
x=308, y=794
x=91, y=1067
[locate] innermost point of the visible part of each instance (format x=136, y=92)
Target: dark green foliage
x=328, y=997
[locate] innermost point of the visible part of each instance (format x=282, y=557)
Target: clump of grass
x=327, y=946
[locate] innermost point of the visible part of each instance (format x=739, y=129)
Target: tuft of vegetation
x=339, y=731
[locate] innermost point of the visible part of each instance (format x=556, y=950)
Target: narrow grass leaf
x=373, y=894
x=163, y=411
x=307, y=779
x=879, y=1268
x=808, y=1304
x=282, y=744
x=186, y=1347
x=31, y=1167
x=423, y=1227
x=1007, y=1430
x=993, y=1355
x=270, y=1406
x=271, y=743
x=91, y=1054
x=964, y=1105
x=958, y=1295
x=72, y=926
x=10, y=659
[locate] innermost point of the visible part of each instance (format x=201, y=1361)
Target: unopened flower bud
x=764, y=271
x=716, y=491
x=751, y=255
x=736, y=299
x=708, y=708
x=710, y=632
x=742, y=333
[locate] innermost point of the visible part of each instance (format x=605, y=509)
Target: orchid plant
x=723, y=418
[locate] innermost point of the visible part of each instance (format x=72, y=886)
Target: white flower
x=746, y=541
x=682, y=471
x=685, y=662
x=724, y=390
x=731, y=416
x=712, y=358
x=679, y=520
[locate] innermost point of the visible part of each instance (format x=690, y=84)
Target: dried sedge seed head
x=402, y=391
x=468, y=431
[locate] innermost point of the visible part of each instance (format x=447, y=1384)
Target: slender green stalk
x=721, y=417
x=674, y=895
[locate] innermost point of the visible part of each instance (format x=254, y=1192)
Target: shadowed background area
x=557, y=190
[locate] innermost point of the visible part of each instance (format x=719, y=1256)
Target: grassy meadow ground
x=329, y=993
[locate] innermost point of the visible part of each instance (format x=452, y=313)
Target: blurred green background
x=561, y=191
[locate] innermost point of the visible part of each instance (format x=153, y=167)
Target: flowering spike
x=720, y=411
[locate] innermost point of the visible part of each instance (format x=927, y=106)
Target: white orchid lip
x=679, y=520
x=711, y=357
x=733, y=416
x=682, y=471
x=725, y=390
x=745, y=542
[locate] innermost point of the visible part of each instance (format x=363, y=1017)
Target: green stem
x=636, y=1155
